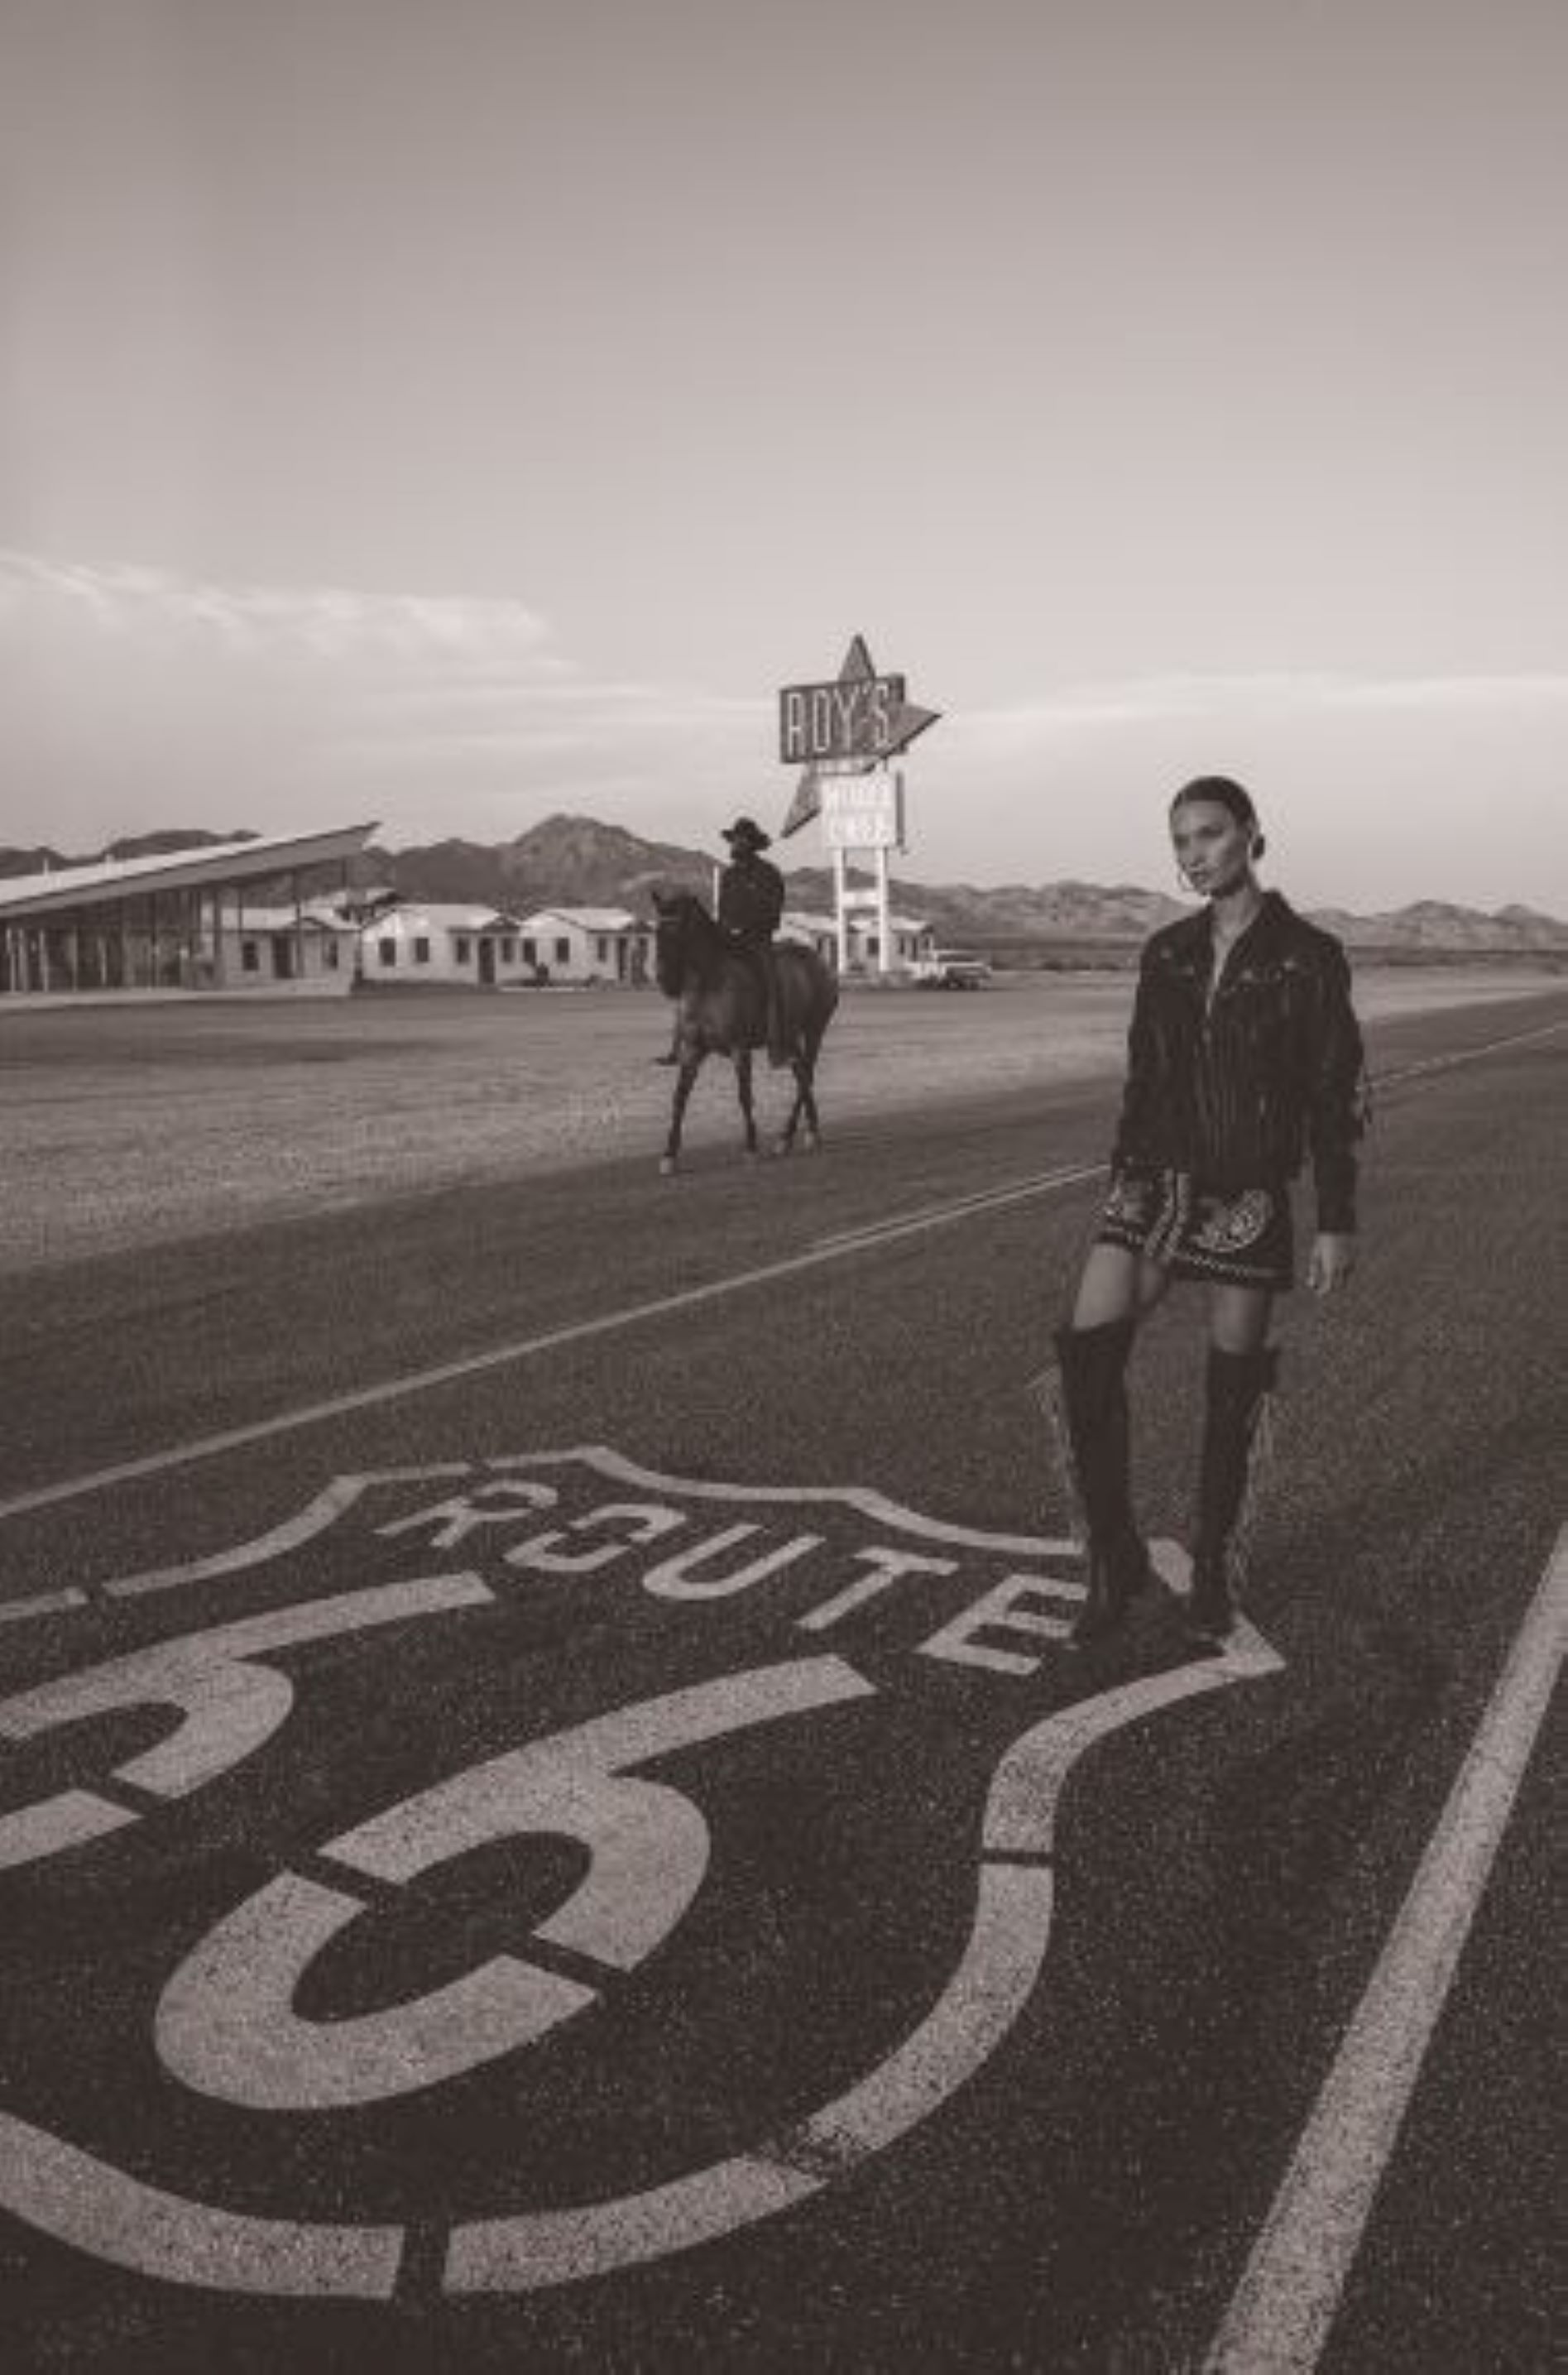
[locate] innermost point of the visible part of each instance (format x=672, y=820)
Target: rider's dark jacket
x=1238, y=1088
x=751, y=898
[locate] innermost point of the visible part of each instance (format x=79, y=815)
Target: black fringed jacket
x=1238, y=1089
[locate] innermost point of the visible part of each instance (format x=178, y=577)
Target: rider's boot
x=1092, y=1362
x=1238, y=1386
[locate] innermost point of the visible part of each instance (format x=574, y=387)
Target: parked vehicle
x=952, y=969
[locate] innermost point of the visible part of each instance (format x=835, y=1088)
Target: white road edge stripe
x=503, y=1355
x=1279, y=2318
x=1465, y=1055
x=958, y=1207
x=935, y=1216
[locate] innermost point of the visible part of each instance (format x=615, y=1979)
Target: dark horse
x=723, y=1012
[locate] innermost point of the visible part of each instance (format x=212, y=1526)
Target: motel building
x=589, y=944
x=416, y=942
x=228, y=918
x=275, y=914
x=413, y=941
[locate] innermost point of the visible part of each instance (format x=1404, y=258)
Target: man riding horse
x=751, y=897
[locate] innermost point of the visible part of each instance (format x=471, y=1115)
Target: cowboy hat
x=746, y=829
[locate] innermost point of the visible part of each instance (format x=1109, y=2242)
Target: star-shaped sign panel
x=848, y=724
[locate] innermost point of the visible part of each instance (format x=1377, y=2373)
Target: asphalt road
x=635, y=1942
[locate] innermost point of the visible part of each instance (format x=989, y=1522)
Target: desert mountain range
x=576, y=861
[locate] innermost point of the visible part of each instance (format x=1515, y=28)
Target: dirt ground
x=124, y=1126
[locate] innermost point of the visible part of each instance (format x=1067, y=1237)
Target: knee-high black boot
x=1237, y=1386
x=1093, y=1364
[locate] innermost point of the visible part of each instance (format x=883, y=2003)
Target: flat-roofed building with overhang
x=227, y=918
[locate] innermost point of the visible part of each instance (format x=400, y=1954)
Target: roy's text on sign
x=850, y=718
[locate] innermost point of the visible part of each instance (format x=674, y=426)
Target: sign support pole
x=851, y=727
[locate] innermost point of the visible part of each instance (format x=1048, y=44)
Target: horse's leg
x=806, y=1076
x=808, y=1097
x=804, y=1106
x=743, y=1089
x=785, y=1141
x=690, y=1068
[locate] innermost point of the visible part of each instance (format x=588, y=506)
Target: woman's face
x=1213, y=848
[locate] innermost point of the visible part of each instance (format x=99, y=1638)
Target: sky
x=448, y=412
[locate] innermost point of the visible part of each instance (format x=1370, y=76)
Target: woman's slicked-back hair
x=1225, y=791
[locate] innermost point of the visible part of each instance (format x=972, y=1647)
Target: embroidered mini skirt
x=1238, y=1236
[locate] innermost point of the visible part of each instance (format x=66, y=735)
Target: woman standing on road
x=1243, y=1057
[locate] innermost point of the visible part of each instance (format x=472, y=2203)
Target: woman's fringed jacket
x=1239, y=1088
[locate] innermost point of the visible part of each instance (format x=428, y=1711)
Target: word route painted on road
x=457, y=1794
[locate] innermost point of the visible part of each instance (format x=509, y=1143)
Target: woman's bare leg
x=1118, y=1284
x=1239, y=1317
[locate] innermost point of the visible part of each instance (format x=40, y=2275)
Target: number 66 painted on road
x=226, y=2024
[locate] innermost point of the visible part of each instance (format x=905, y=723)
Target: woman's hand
x=1333, y=1259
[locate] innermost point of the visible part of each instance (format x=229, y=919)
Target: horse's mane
x=684, y=921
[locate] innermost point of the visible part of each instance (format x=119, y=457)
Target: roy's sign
x=539, y=1792
x=853, y=719
x=857, y=716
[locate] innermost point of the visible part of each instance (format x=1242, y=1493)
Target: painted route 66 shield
x=538, y=1866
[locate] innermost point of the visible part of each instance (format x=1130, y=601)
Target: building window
x=563, y=952
x=463, y=955
x=602, y=944
x=250, y=957
x=421, y=950
x=508, y=948
x=530, y=953
x=387, y=951
x=329, y=950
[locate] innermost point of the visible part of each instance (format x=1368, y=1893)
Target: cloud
x=1376, y=789
x=130, y=697
x=1151, y=700
x=329, y=622
x=134, y=696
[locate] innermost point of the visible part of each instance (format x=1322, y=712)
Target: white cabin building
x=438, y=940
x=260, y=947
x=584, y=944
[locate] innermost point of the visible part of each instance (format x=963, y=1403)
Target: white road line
x=42, y=1604
x=82, y=2201
x=1465, y=1055
x=863, y=1497
x=580, y=1332
x=958, y=1207
x=1285, y=2305
x=502, y=1356
x=1018, y=1191
x=314, y=1518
